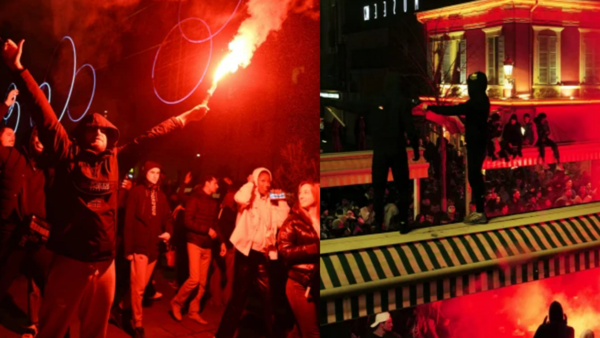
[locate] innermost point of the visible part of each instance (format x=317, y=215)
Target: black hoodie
x=82, y=203
x=512, y=132
x=476, y=110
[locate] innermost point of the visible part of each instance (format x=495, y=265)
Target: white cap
x=381, y=318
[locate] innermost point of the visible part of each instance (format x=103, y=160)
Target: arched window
x=547, y=41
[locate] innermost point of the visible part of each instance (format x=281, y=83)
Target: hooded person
x=148, y=224
x=82, y=206
x=391, y=114
x=557, y=326
x=254, y=239
x=512, y=138
x=476, y=110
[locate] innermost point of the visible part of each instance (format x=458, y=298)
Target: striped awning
x=352, y=168
x=367, y=281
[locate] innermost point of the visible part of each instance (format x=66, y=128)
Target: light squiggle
x=205, y=68
x=91, y=98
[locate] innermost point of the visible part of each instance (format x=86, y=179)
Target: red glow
x=506, y=311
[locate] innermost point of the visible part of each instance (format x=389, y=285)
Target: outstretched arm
x=166, y=127
x=460, y=109
x=52, y=134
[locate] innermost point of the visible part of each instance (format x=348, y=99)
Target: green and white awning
x=369, y=280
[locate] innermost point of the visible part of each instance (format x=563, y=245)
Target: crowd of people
x=90, y=238
x=348, y=211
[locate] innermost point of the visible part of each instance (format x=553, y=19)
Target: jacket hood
x=96, y=120
x=477, y=84
x=257, y=172
x=148, y=165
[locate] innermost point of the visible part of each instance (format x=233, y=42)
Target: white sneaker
x=476, y=218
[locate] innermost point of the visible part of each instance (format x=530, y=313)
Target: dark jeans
x=248, y=269
x=33, y=263
x=305, y=309
x=542, y=147
x=391, y=156
x=475, y=158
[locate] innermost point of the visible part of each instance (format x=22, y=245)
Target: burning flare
x=265, y=16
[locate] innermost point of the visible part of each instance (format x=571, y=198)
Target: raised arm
x=457, y=110
x=129, y=149
x=51, y=132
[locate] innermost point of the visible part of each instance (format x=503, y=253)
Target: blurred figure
x=544, y=140
x=557, y=326
x=382, y=327
x=298, y=243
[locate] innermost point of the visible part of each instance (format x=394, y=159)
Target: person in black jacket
x=83, y=207
x=148, y=223
x=201, y=212
x=392, y=126
x=543, y=129
x=24, y=175
x=512, y=138
x=494, y=132
x=476, y=110
x=298, y=242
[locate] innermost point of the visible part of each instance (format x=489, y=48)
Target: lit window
x=375, y=12
x=495, y=60
x=591, y=59
x=366, y=13
x=384, y=9
x=405, y=6
x=416, y=5
x=395, y=7
x=547, y=58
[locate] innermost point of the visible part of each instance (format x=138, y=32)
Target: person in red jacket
x=82, y=207
x=148, y=223
x=298, y=244
x=201, y=216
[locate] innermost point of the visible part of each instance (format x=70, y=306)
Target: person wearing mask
x=476, y=110
x=148, y=224
x=201, y=215
x=512, y=138
x=82, y=207
x=557, y=326
x=298, y=243
x=254, y=239
x=544, y=140
x=531, y=136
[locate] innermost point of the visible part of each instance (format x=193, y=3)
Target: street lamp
x=508, y=70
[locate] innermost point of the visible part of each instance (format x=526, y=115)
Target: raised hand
x=11, y=54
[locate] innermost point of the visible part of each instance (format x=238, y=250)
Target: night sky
x=254, y=112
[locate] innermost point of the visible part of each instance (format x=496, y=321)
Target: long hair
x=315, y=189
